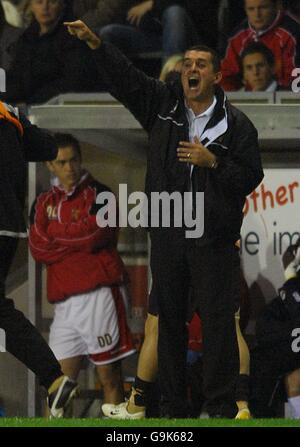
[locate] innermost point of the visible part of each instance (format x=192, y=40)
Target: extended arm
x=141, y=94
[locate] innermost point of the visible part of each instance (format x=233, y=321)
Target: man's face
x=257, y=73
x=66, y=167
x=261, y=13
x=198, y=76
x=46, y=12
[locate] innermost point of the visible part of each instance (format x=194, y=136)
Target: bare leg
x=292, y=383
x=244, y=358
x=110, y=377
x=71, y=366
x=147, y=364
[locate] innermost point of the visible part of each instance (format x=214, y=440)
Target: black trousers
x=213, y=272
x=22, y=338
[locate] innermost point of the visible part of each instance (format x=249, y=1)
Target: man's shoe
x=244, y=414
x=60, y=398
x=120, y=412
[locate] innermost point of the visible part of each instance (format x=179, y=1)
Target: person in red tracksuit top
x=268, y=24
x=85, y=274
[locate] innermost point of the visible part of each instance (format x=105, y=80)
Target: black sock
x=242, y=388
x=142, y=391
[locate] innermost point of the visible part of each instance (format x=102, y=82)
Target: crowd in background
x=257, y=39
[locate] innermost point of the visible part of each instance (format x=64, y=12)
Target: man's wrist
x=95, y=43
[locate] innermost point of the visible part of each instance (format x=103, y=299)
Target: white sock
x=295, y=406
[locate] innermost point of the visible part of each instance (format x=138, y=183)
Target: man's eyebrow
x=201, y=59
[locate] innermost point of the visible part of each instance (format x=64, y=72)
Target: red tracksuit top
x=80, y=256
x=282, y=38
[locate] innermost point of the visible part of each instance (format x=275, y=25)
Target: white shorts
x=92, y=324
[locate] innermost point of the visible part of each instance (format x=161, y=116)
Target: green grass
x=39, y=422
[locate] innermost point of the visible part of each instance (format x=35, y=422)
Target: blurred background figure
x=258, y=69
x=267, y=23
x=151, y=29
x=172, y=66
x=9, y=34
x=46, y=57
x=154, y=26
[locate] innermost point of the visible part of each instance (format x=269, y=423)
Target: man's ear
x=218, y=77
x=49, y=166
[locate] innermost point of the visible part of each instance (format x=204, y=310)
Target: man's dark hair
x=258, y=47
x=66, y=139
x=215, y=58
x=272, y=1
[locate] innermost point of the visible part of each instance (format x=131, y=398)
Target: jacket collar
x=273, y=25
x=85, y=179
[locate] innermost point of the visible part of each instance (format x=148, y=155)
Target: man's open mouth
x=194, y=82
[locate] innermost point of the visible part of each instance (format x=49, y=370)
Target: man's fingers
x=187, y=144
x=196, y=140
x=132, y=18
x=71, y=31
x=78, y=24
x=184, y=155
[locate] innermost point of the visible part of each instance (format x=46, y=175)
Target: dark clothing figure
x=210, y=263
x=47, y=65
x=204, y=15
x=277, y=352
x=98, y=13
x=20, y=142
x=8, y=36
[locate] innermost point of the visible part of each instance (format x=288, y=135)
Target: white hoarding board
x=271, y=224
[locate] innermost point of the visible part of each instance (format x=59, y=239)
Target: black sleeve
x=141, y=94
x=15, y=77
x=38, y=144
x=275, y=325
x=242, y=171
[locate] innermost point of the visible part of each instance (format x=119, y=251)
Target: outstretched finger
x=77, y=24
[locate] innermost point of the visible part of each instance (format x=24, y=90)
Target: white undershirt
x=197, y=123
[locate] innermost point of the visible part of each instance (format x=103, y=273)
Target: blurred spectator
x=46, y=60
x=265, y=23
x=258, y=68
x=8, y=36
x=172, y=65
x=154, y=25
x=98, y=13
x=231, y=13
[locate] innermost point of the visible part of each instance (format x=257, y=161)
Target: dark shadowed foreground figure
x=21, y=142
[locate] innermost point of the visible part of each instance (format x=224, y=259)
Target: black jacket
x=161, y=111
x=47, y=65
x=280, y=317
x=15, y=151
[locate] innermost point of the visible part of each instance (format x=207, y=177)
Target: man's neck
x=199, y=106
